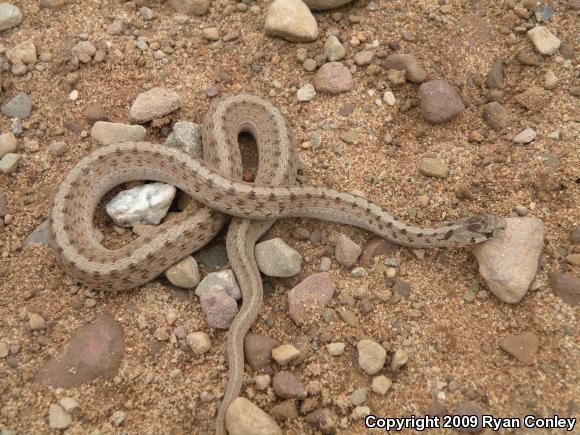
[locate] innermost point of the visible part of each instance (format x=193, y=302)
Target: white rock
x=544, y=41
x=224, y=280
x=381, y=384
x=400, y=358
x=9, y=163
x=107, y=133
x=68, y=404
x=187, y=137
x=262, y=382
x=371, y=356
x=335, y=349
x=389, y=98
x=184, y=274
x=291, y=20
x=154, y=103
x=147, y=204
x=10, y=16
x=198, y=342
x=306, y=93
x=508, y=262
x=525, y=136
x=58, y=418
x=275, y=258
x=245, y=418
x=285, y=354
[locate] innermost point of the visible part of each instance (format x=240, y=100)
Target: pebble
x=310, y=295
x=522, y=347
x=389, y=98
x=306, y=93
x=309, y=65
x=84, y=50
x=9, y=163
x=262, y=382
x=359, y=396
x=184, y=274
x=58, y=418
x=323, y=5
x=147, y=204
x=495, y=77
x=39, y=236
x=275, y=258
x=10, y=16
x=107, y=133
x=574, y=235
x=95, y=113
x=470, y=409
x=325, y=264
x=550, y=80
x=371, y=356
x=285, y=354
x=440, y=101
x=363, y=57
x=400, y=358
x=323, y=419
x=19, y=106
x=527, y=57
x=245, y=418
x=258, y=350
x=57, y=148
x=509, y=261
x=361, y=412
x=190, y=7
x=525, y=136
x=288, y=386
x=333, y=49
x=567, y=287
x=4, y=349
x=68, y=404
x=346, y=251
x=211, y=33
x=407, y=62
x=22, y=54
x=544, y=40
x=187, y=137
x=381, y=384
x=402, y=288
x=36, y=322
x=496, y=116
x=8, y=144
x=154, y=103
x=219, y=308
x=434, y=167
x=335, y=349
x=376, y=247
x=146, y=13
x=333, y=78
x=567, y=50
x=291, y=20
x=117, y=418
x=52, y=4
x=198, y=342
x=224, y=280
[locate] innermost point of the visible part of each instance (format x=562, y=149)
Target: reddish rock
x=94, y=350
x=258, y=350
x=440, y=102
x=333, y=78
x=311, y=294
x=522, y=347
x=219, y=308
x=288, y=386
x=346, y=251
x=376, y=247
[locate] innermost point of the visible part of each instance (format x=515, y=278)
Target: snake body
x=214, y=183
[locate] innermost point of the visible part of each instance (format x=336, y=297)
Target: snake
x=214, y=182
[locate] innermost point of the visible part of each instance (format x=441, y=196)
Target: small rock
x=402, y=288
x=68, y=404
x=146, y=13
x=245, y=418
x=333, y=78
x=258, y=350
x=335, y=349
x=190, y=7
x=364, y=57
x=323, y=5
x=333, y=49
x=525, y=136
x=440, y=101
x=495, y=75
x=84, y=50
x=550, y=80
x=184, y=274
x=397, y=77
x=224, y=280
x=284, y=411
x=57, y=148
x=470, y=409
x=262, y=382
x=116, y=27
x=527, y=57
x=325, y=264
x=39, y=236
x=275, y=258
x=22, y=54
x=211, y=33
x=376, y=247
x=311, y=294
x=496, y=116
x=285, y=354
x=58, y=418
x=117, y=418
x=381, y=384
x=566, y=287
x=407, y=62
x=323, y=419
x=52, y=4
x=19, y=106
x=198, y=342
x=287, y=386
x=509, y=261
x=219, y=308
x=389, y=98
x=152, y=104
x=10, y=16
x=544, y=41
x=400, y=358
x=346, y=251
x=575, y=235
x=187, y=137
x=95, y=113
x=358, y=396
x=522, y=347
x=8, y=144
x=291, y=20
x=146, y=204
x=434, y=167
x=567, y=50
x=306, y=93
x=36, y=322
x=107, y=133
x=360, y=412
x=371, y=356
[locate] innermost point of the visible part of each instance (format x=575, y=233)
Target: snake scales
x=214, y=183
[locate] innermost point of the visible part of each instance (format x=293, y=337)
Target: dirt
x=450, y=341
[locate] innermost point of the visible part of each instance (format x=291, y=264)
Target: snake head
x=482, y=227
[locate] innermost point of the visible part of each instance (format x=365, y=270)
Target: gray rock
x=371, y=356
x=291, y=20
x=509, y=261
x=494, y=78
x=496, y=116
x=245, y=418
x=333, y=78
x=544, y=40
x=107, y=133
x=152, y=104
x=38, y=236
x=288, y=386
x=525, y=136
x=224, y=280
x=10, y=16
x=275, y=258
x=146, y=204
x=407, y=62
x=325, y=264
x=306, y=93
x=19, y=106
x=434, y=167
x=440, y=101
x=147, y=14
x=310, y=295
x=58, y=418
x=333, y=49
x=219, y=308
x=346, y=251
x=9, y=163
x=359, y=396
x=184, y=274
x=187, y=137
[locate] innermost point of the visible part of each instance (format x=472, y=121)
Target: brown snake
x=214, y=182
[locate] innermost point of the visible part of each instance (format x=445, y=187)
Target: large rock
x=406, y=62
x=440, y=101
x=107, y=133
x=509, y=261
x=10, y=16
x=152, y=104
x=522, y=347
x=245, y=418
x=275, y=258
x=310, y=295
x=333, y=78
x=323, y=5
x=291, y=20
